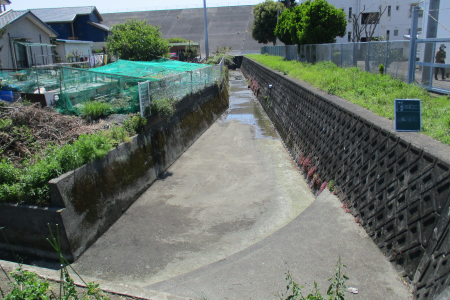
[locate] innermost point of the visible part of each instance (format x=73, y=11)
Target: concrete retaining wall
x=396, y=184
x=87, y=201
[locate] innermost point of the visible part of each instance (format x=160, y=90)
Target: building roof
x=75, y=41
x=64, y=14
x=101, y=26
x=11, y=16
x=182, y=44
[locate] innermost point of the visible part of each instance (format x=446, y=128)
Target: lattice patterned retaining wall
x=397, y=184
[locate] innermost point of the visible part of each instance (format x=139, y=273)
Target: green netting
x=116, y=84
x=150, y=70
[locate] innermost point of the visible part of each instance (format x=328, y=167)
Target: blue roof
x=64, y=14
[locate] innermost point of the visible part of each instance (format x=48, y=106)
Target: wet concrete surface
x=235, y=186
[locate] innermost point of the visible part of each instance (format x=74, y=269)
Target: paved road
x=231, y=216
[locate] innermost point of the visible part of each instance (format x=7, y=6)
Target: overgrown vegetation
x=336, y=290
x=95, y=109
x=25, y=284
x=221, y=52
x=32, y=153
x=372, y=91
x=134, y=123
x=164, y=107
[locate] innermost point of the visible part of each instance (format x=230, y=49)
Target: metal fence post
x=386, y=58
x=355, y=61
x=342, y=53
x=191, y=81
x=181, y=87
x=431, y=68
x=412, y=45
x=367, y=57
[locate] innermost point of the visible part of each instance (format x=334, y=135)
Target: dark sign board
x=408, y=115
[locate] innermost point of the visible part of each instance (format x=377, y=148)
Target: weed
x=164, y=107
x=134, y=123
x=371, y=91
x=331, y=185
x=381, y=69
x=336, y=290
x=95, y=109
x=316, y=182
x=346, y=208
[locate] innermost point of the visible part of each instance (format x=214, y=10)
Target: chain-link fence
x=393, y=55
x=70, y=88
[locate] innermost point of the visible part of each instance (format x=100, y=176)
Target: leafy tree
x=191, y=52
x=137, y=40
x=289, y=4
x=312, y=22
x=173, y=40
x=287, y=26
x=265, y=21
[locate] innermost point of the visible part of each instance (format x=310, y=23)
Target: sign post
x=408, y=115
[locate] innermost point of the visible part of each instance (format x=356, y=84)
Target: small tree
x=265, y=21
x=366, y=25
x=311, y=22
x=288, y=25
x=137, y=40
x=320, y=23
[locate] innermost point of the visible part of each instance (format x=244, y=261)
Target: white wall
x=23, y=28
x=443, y=18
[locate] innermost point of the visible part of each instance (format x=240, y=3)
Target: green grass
x=95, y=109
x=372, y=91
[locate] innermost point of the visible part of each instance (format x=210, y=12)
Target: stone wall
x=396, y=184
x=87, y=201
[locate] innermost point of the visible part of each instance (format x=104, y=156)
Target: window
x=397, y=7
x=388, y=32
x=370, y=18
x=349, y=13
x=349, y=36
x=411, y=9
x=395, y=32
x=389, y=11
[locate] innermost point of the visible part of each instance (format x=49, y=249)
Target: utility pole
x=206, y=29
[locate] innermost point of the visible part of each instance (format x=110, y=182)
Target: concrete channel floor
x=231, y=216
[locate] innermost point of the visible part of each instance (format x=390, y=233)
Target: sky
x=109, y=6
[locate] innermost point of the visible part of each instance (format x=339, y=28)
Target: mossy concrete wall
x=396, y=184
x=87, y=201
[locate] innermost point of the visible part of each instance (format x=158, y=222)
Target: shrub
x=95, y=109
x=134, y=123
x=164, y=107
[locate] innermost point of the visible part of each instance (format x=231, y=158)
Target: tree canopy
x=136, y=40
x=311, y=22
x=265, y=21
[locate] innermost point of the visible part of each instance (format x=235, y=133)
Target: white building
x=442, y=14
x=394, y=24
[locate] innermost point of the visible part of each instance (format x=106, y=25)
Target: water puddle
x=245, y=109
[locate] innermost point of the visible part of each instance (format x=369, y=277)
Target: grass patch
x=29, y=182
x=95, y=109
x=372, y=91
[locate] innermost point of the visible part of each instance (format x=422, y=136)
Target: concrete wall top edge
x=419, y=140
